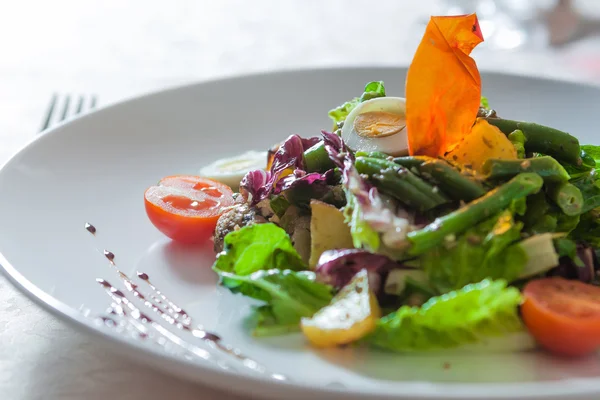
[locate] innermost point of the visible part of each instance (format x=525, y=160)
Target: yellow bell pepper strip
x=443, y=86
x=484, y=142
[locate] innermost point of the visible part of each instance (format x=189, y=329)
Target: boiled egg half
x=231, y=170
x=377, y=125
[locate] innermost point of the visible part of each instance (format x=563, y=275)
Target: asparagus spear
x=400, y=183
x=567, y=197
x=543, y=139
x=546, y=167
x=458, y=221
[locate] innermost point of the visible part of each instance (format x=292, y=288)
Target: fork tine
x=60, y=110
x=79, y=105
x=49, y=113
x=65, y=111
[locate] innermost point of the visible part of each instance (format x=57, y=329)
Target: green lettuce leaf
x=485, y=103
x=518, y=139
x=590, y=190
x=340, y=113
x=372, y=90
x=288, y=296
x=591, y=151
x=257, y=247
x=588, y=229
x=590, y=156
x=482, y=316
x=487, y=250
x=363, y=235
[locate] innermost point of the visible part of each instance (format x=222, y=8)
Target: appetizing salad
x=416, y=224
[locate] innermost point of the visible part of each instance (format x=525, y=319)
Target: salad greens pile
x=446, y=247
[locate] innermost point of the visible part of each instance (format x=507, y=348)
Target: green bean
x=447, y=177
x=451, y=181
x=547, y=223
x=413, y=179
x=400, y=183
x=316, y=158
x=412, y=161
x=567, y=197
x=566, y=223
x=543, y=139
x=537, y=206
x=484, y=207
x=546, y=167
x=372, y=154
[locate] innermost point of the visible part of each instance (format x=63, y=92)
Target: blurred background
x=121, y=48
x=116, y=49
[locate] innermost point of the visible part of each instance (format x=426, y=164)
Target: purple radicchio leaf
x=381, y=215
x=254, y=185
x=302, y=178
x=307, y=143
x=582, y=267
x=258, y=185
x=338, y=267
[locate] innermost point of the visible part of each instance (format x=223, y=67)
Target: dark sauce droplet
x=103, y=283
x=210, y=336
x=137, y=314
x=90, y=228
x=110, y=256
x=143, y=276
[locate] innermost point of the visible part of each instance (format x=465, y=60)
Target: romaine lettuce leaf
x=479, y=316
x=289, y=296
x=257, y=247
x=487, y=250
x=363, y=235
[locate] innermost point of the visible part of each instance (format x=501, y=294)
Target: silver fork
x=61, y=108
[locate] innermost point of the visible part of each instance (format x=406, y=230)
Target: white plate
x=96, y=168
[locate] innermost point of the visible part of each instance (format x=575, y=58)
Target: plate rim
x=425, y=390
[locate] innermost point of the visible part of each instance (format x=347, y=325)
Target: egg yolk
x=375, y=124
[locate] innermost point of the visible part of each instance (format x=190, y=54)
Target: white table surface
x=121, y=48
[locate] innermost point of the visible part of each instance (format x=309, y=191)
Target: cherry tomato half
x=563, y=315
x=186, y=208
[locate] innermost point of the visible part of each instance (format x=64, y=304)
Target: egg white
x=231, y=170
x=396, y=144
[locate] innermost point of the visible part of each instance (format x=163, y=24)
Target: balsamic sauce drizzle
x=90, y=228
x=168, y=311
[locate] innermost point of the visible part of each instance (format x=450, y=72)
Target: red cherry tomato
x=186, y=208
x=563, y=315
